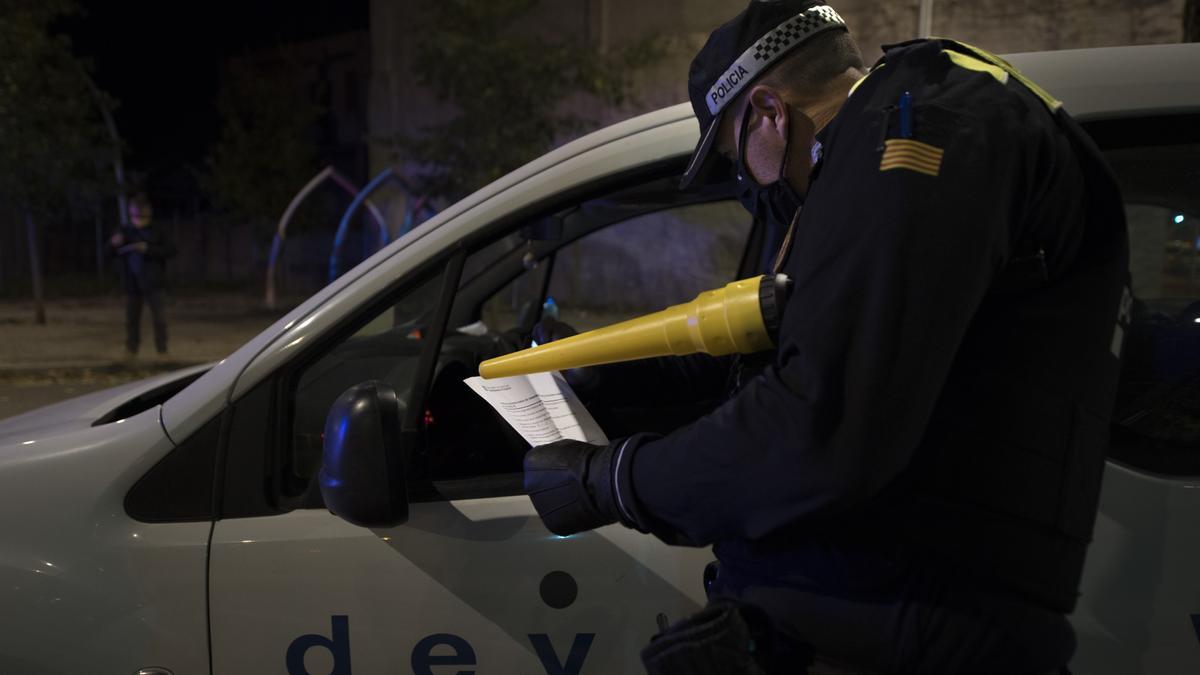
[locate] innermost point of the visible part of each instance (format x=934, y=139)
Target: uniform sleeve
x=892, y=255
x=650, y=382
x=657, y=395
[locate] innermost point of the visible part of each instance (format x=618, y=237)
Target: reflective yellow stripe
x=915, y=153
x=1051, y=102
x=863, y=79
x=971, y=63
x=913, y=167
x=934, y=161
x=903, y=162
x=897, y=144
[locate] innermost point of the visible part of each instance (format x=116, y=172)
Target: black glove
x=577, y=486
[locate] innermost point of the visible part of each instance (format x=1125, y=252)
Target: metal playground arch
x=328, y=173
x=417, y=206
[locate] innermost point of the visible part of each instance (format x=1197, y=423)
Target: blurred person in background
x=143, y=250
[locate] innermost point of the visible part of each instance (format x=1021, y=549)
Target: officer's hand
x=116, y=240
x=556, y=480
x=571, y=484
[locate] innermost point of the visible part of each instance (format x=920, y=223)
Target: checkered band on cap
x=768, y=49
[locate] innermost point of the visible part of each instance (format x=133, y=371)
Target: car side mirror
x=362, y=476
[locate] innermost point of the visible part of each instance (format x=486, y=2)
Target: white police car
x=172, y=525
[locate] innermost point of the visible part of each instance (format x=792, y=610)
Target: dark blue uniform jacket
x=947, y=360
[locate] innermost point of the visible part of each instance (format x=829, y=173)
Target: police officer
x=911, y=485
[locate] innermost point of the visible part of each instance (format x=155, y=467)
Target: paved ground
x=81, y=347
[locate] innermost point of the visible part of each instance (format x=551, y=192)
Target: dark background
x=163, y=61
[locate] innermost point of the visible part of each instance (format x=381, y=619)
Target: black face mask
x=774, y=204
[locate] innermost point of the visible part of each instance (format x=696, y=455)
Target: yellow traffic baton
x=743, y=317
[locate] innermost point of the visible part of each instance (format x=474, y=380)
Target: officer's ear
x=769, y=109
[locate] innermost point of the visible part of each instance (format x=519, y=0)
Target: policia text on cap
x=910, y=484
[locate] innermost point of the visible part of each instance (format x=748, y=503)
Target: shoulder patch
x=905, y=153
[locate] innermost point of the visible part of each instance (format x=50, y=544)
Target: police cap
x=735, y=55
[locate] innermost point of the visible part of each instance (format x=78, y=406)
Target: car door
x=472, y=580
x=1139, y=611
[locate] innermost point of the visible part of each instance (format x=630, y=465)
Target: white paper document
x=541, y=407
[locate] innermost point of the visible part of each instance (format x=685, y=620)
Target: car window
x=647, y=263
x=1157, y=415
x=386, y=347
x=503, y=290
x=517, y=306
x=635, y=264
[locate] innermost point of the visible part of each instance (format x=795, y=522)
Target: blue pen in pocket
x=906, y=115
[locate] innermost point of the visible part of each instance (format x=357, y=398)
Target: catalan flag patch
x=905, y=153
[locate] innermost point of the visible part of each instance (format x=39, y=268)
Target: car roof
x=1092, y=83
x=1118, y=81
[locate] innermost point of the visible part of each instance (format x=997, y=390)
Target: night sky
x=162, y=61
